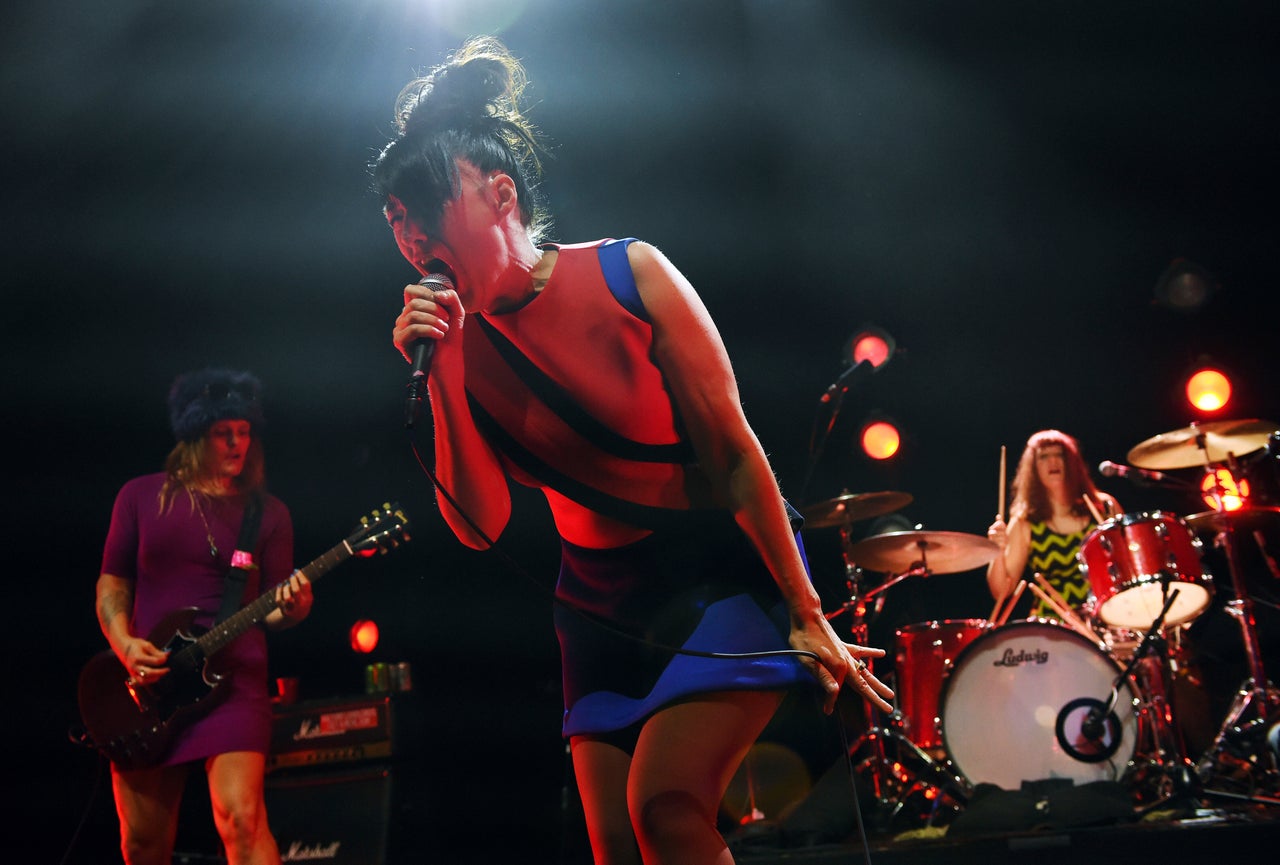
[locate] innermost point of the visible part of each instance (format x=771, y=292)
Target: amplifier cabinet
x=371, y=814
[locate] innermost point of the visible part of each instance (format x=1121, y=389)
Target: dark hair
x=1030, y=499
x=467, y=108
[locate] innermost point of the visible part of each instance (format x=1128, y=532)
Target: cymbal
x=941, y=552
x=848, y=507
x=1202, y=443
x=1244, y=518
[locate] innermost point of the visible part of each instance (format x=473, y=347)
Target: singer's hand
x=427, y=314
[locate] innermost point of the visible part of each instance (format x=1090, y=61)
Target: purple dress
x=167, y=557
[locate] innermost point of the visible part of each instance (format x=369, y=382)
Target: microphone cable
x=509, y=561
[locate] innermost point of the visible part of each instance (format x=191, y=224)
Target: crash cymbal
x=941, y=552
x=1246, y=519
x=1202, y=443
x=848, y=507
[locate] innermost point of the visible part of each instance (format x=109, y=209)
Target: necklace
x=213, y=547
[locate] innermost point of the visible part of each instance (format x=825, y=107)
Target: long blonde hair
x=187, y=468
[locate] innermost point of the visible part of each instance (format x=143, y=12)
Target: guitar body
x=134, y=724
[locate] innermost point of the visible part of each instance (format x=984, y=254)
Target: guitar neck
x=233, y=626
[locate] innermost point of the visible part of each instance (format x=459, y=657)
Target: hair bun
x=481, y=81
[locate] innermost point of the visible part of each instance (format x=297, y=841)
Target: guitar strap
x=242, y=559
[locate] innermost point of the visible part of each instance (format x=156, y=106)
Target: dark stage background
x=998, y=184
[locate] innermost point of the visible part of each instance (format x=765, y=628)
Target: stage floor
x=1206, y=834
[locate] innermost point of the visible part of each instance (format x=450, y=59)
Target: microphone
x=1116, y=470
x=423, y=350
x=1092, y=728
x=846, y=378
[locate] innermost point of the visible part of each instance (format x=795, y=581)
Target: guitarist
x=170, y=546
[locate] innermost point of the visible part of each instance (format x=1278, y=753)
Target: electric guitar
x=133, y=724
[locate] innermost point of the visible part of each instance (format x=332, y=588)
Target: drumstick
x=1013, y=602
x=1093, y=509
x=1059, y=602
x=1000, y=509
x=1048, y=587
x=995, y=609
x=1068, y=618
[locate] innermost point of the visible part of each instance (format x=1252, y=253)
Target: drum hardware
x=1166, y=753
x=1202, y=444
x=1132, y=560
x=898, y=771
x=904, y=769
x=1240, y=749
x=1014, y=705
x=922, y=552
x=850, y=507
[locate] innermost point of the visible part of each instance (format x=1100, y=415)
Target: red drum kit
x=1087, y=697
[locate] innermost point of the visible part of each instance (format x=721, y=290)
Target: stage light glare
x=364, y=636
x=880, y=440
x=870, y=343
x=1208, y=389
x=1222, y=492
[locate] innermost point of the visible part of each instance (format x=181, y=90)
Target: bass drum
x=1024, y=702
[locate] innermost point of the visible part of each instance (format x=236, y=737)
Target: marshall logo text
x=299, y=852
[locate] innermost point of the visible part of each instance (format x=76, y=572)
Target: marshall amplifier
x=345, y=782
x=362, y=815
x=345, y=730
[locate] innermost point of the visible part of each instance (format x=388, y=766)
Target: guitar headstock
x=381, y=531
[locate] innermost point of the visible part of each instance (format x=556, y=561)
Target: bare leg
x=601, y=770
x=239, y=812
x=147, y=804
x=685, y=757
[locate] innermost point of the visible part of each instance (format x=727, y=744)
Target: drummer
x=1055, y=506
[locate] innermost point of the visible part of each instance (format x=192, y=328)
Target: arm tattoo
x=112, y=602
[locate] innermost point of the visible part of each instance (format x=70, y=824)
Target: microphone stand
x=1170, y=757
x=835, y=396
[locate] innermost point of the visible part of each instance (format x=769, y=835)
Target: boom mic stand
x=1176, y=771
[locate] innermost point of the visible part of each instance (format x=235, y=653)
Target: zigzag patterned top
x=1054, y=555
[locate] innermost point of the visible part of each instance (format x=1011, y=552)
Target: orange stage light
x=870, y=343
x=880, y=440
x=1208, y=389
x=364, y=636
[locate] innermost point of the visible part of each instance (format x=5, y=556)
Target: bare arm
x=115, y=609
x=1006, y=568
x=689, y=350
x=464, y=462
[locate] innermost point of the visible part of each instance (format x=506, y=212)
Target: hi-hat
x=848, y=507
x=1246, y=519
x=1201, y=444
x=939, y=552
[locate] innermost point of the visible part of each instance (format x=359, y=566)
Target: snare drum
x=922, y=656
x=1133, y=561
x=1016, y=707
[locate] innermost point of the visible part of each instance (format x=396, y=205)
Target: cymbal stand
x=891, y=781
x=1240, y=749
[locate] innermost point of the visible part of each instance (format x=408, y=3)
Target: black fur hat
x=198, y=399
